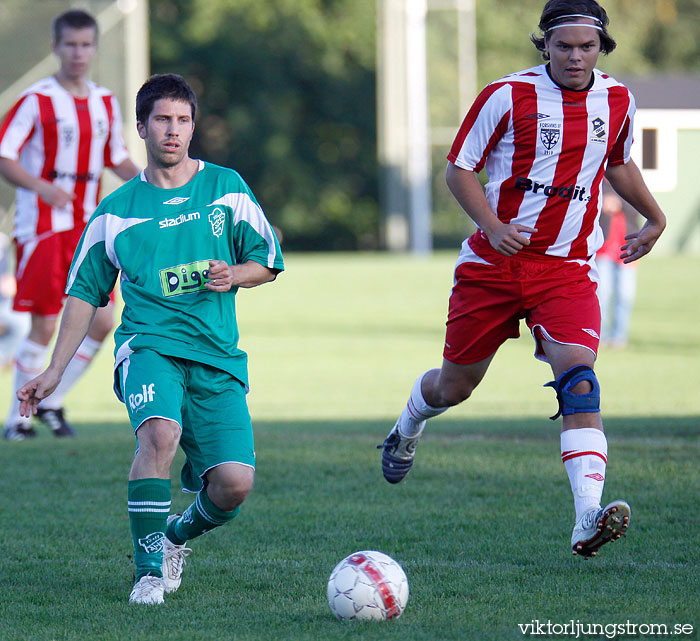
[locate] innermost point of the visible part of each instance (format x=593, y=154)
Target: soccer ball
x=367, y=586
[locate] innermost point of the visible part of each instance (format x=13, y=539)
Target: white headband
x=576, y=24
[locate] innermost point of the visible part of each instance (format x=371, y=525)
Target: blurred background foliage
x=287, y=95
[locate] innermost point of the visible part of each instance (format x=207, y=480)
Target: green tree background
x=287, y=94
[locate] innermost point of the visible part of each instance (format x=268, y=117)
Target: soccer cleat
x=18, y=432
x=173, y=561
x=148, y=590
x=54, y=420
x=599, y=526
x=397, y=455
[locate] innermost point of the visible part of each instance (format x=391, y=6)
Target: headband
x=577, y=24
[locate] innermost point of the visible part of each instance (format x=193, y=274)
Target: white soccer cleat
x=599, y=526
x=148, y=590
x=173, y=561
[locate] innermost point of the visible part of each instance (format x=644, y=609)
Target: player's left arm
x=223, y=277
x=126, y=169
x=627, y=181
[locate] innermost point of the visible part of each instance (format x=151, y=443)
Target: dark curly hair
x=554, y=13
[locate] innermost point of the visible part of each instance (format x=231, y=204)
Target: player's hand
x=508, y=239
x=641, y=242
x=55, y=196
x=220, y=276
x=34, y=391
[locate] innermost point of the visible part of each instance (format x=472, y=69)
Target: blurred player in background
x=54, y=143
x=546, y=137
x=618, y=280
x=13, y=325
x=185, y=236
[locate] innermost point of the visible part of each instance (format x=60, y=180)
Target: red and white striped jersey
x=545, y=150
x=67, y=141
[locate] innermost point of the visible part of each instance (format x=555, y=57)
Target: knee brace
x=570, y=402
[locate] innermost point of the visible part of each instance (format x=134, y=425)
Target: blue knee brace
x=570, y=402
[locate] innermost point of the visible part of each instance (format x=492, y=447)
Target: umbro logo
x=177, y=200
x=596, y=477
x=537, y=116
x=592, y=332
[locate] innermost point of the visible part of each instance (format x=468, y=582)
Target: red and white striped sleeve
x=621, y=151
x=484, y=125
x=115, y=151
x=18, y=126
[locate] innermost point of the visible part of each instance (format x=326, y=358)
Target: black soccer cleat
x=55, y=421
x=398, y=452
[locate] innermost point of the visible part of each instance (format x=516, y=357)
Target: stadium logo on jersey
x=182, y=218
x=550, y=134
x=177, y=200
x=537, y=116
x=152, y=543
x=138, y=401
x=569, y=192
x=183, y=279
x=217, y=218
x=599, y=133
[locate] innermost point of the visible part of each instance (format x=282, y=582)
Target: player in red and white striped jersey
x=54, y=144
x=546, y=136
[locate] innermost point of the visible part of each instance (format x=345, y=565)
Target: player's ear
x=141, y=129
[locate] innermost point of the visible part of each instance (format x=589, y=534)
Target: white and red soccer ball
x=367, y=586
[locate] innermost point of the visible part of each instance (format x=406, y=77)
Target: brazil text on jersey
x=572, y=192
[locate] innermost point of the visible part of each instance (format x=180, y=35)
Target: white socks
x=584, y=452
x=417, y=411
x=30, y=358
x=76, y=368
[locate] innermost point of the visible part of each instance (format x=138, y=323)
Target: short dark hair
x=164, y=85
x=73, y=19
x=555, y=12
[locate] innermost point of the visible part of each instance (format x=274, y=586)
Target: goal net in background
x=122, y=63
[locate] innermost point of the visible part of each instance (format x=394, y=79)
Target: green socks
x=149, y=506
x=198, y=518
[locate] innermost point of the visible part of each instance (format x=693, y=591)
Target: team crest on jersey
x=101, y=128
x=550, y=135
x=68, y=134
x=217, y=218
x=599, y=133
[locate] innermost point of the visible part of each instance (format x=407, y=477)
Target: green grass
x=481, y=525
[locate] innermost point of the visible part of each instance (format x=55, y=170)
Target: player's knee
x=158, y=437
x=230, y=485
x=578, y=391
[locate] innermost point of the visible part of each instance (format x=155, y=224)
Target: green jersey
x=161, y=240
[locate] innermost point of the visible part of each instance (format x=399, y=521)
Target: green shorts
x=207, y=403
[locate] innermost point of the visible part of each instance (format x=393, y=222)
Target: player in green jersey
x=182, y=236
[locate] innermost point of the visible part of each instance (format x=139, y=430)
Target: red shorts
x=557, y=298
x=42, y=272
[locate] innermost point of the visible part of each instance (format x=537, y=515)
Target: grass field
x=481, y=525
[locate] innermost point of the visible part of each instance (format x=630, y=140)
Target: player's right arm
x=506, y=239
x=12, y=171
x=75, y=322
